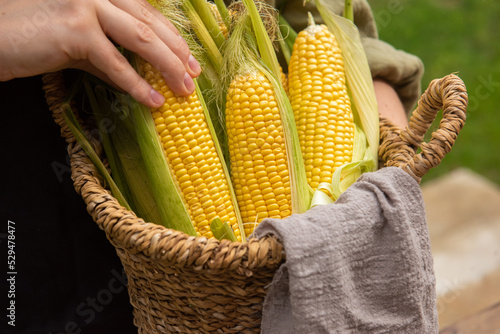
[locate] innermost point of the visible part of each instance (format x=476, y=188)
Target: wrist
x=389, y=103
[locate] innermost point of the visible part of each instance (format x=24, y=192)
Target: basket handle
x=399, y=148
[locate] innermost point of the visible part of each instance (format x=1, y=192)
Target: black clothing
x=67, y=277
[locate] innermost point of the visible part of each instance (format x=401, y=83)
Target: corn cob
x=218, y=18
x=192, y=156
x=266, y=163
x=320, y=103
x=257, y=150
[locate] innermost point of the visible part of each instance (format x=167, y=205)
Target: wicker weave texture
x=399, y=148
x=184, y=284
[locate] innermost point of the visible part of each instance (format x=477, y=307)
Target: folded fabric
x=360, y=265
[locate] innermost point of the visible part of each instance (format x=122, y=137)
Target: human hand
x=41, y=36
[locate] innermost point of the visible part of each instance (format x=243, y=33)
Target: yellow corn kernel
x=192, y=156
x=320, y=103
x=258, y=155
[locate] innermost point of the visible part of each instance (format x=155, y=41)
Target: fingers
x=147, y=34
x=143, y=10
x=106, y=59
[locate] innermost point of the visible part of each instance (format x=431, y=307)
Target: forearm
x=389, y=104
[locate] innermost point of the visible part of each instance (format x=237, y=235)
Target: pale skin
x=389, y=104
x=40, y=36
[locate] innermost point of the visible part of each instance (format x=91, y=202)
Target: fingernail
x=189, y=83
x=194, y=65
x=157, y=98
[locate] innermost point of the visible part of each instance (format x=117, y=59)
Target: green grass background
x=455, y=36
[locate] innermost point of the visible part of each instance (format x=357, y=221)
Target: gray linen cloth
x=360, y=265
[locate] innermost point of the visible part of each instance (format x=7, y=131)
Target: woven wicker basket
x=179, y=283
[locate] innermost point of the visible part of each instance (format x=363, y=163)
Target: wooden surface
x=484, y=322
x=464, y=225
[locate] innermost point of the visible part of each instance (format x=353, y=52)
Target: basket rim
x=171, y=247
x=126, y=231
x=167, y=246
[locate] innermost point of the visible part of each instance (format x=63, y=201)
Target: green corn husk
x=222, y=230
x=209, y=21
x=203, y=35
x=348, y=10
x=346, y=174
x=288, y=35
x=122, y=150
x=74, y=126
x=264, y=44
x=81, y=137
x=224, y=13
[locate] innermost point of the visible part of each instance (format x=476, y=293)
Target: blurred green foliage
x=455, y=36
